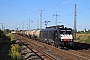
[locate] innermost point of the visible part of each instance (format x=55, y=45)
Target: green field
x=83, y=38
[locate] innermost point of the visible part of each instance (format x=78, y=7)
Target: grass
x=87, y=40
x=83, y=38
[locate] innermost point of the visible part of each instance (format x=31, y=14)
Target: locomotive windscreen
x=65, y=31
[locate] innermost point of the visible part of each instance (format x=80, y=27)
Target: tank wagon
x=21, y=32
x=31, y=34
x=36, y=34
x=27, y=32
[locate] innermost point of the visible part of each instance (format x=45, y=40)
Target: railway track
x=40, y=54
x=71, y=54
x=80, y=55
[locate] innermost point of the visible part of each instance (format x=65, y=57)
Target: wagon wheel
x=53, y=44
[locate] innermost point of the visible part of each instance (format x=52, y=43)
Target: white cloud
x=66, y=2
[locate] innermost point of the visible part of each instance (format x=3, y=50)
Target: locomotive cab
x=66, y=37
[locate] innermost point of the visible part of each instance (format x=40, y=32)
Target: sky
x=17, y=13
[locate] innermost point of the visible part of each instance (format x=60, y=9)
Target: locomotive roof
x=57, y=26
x=49, y=29
x=56, y=29
x=65, y=28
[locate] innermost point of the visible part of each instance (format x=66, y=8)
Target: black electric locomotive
x=57, y=35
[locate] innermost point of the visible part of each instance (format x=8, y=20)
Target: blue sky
x=13, y=13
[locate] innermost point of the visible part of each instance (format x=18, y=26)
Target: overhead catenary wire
x=87, y=17
x=83, y=10
x=18, y=7
x=76, y=12
x=52, y=12
x=66, y=8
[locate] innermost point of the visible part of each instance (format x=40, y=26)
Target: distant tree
x=88, y=31
x=7, y=31
x=79, y=32
x=2, y=36
x=1, y=32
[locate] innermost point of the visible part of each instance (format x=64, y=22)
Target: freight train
x=54, y=35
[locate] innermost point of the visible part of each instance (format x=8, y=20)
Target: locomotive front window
x=65, y=32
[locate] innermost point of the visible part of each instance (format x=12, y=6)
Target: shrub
x=15, y=52
x=3, y=38
x=12, y=38
x=15, y=47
